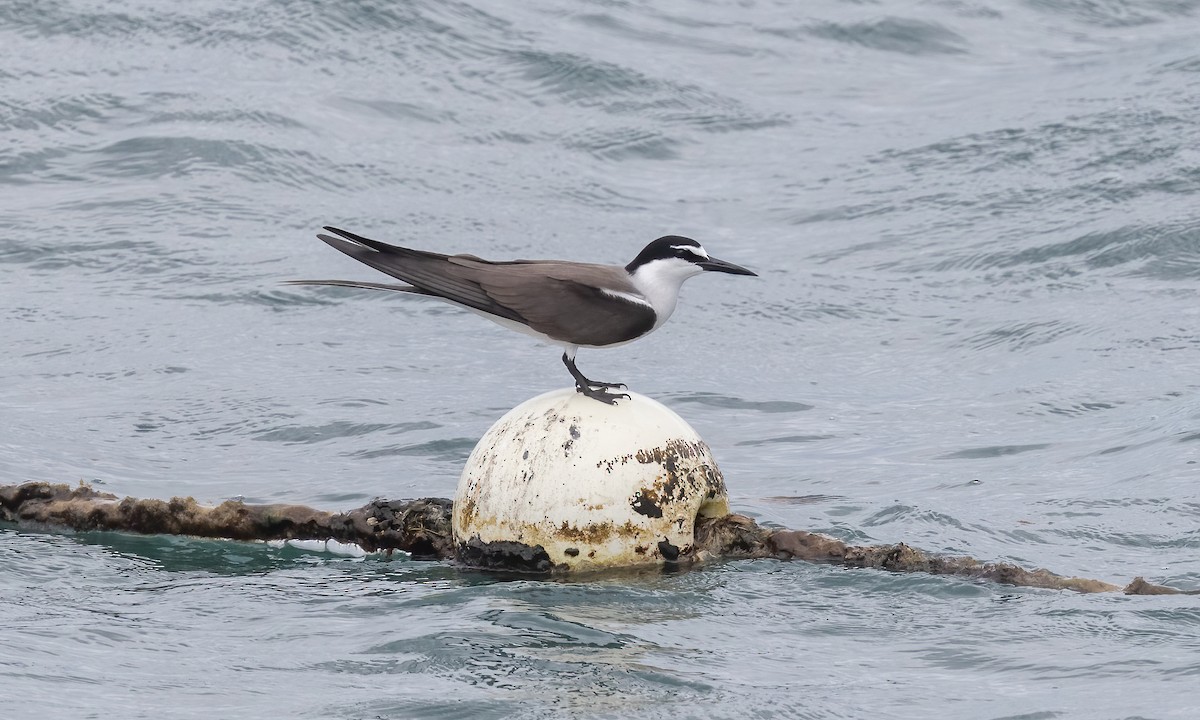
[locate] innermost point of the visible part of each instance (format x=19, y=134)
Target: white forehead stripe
x=695, y=250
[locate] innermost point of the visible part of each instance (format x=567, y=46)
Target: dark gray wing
x=560, y=300
x=565, y=302
x=426, y=271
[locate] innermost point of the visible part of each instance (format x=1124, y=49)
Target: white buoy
x=563, y=482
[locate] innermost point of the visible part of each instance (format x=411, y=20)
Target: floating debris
x=419, y=527
x=422, y=528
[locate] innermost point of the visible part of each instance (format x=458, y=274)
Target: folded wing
x=561, y=300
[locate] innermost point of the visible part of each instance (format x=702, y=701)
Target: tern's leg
x=594, y=390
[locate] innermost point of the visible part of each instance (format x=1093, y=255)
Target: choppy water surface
x=975, y=331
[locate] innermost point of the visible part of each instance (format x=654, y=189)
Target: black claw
x=608, y=398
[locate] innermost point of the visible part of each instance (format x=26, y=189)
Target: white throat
x=659, y=282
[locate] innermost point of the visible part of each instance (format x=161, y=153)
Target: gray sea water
x=977, y=227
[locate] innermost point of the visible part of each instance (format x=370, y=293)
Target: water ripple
x=442, y=450
x=308, y=434
x=1113, y=14
x=899, y=35
x=784, y=439
x=169, y=156
x=624, y=143
x=1168, y=252
x=1023, y=335
x=993, y=451
x=619, y=90
x=734, y=403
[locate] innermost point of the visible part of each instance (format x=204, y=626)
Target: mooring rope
x=422, y=528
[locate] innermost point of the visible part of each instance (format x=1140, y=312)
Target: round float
x=563, y=482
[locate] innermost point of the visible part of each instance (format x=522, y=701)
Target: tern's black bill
x=726, y=267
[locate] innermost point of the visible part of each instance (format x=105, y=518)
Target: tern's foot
x=598, y=384
x=602, y=394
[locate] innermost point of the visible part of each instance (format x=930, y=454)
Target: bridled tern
x=569, y=304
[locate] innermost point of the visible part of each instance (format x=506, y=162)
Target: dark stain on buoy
x=574, y=433
x=672, y=487
x=595, y=533
x=571, y=552
x=645, y=502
